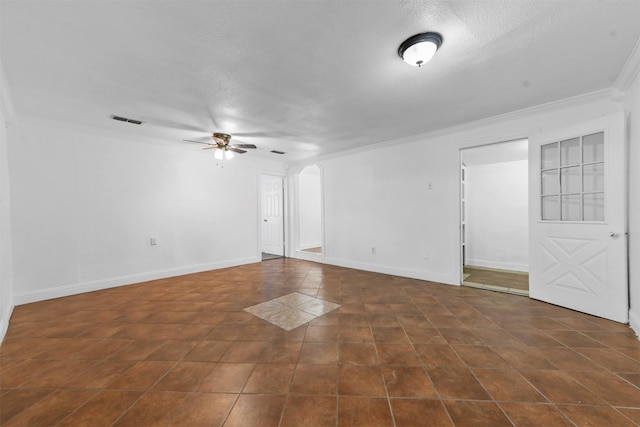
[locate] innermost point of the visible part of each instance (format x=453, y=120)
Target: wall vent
x=124, y=119
x=277, y=152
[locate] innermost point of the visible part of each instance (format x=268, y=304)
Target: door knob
x=613, y=234
x=264, y=220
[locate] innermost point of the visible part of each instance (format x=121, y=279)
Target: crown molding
x=574, y=101
x=91, y=129
x=29, y=120
x=630, y=70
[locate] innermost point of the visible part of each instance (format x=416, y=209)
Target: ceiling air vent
x=124, y=119
x=277, y=152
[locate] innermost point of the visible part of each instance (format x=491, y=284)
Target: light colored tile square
x=292, y=310
x=266, y=309
x=294, y=299
x=290, y=319
x=318, y=307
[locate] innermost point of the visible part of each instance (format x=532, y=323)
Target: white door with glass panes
x=578, y=247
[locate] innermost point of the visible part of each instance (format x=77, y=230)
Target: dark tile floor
x=401, y=352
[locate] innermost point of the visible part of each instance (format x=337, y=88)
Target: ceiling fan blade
x=237, y=150
x=210, y=147
x=251, y=146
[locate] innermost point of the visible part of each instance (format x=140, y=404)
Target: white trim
x=91, y=130
x=79, y=288
x=601, y=95
x=6, y=101
x=4, y=322
x=294, y=176
x=629, y=71
x=305, y=246
x=309, y=256
x=8, y=113
x=500, y=265
x=634, y=322
x=446, y=279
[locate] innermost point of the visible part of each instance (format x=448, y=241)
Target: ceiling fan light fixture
x=419, y=49
x=222, y=138
x=219, y=154
x=228, y=154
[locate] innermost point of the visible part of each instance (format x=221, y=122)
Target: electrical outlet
x=373, y=250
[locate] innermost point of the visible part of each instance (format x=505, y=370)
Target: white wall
x=632, y=106
x=497, y=215
x=85, y=203
x=310, y=205
x=380, y=196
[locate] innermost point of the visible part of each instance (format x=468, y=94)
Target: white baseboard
x=500, y=265
x=4, y=322
x=309, y=246
x=308, y=256
x=634, y=322
x=79, y=288
x=412, y=274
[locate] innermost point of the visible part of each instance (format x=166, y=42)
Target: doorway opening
x=494, y=189
x=310, y=212
x=272, y=216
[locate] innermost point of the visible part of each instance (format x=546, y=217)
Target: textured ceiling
x=305, y=77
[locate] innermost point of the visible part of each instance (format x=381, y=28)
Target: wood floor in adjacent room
x=515, y=282
x=397, y=352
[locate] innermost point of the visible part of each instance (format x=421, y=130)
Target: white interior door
x=578, y=248
x=272, y=215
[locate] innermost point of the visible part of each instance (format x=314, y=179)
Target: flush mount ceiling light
x=419, y=49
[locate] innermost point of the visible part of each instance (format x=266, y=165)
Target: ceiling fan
x=222, y=146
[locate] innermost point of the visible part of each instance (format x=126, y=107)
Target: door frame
x=478, y=144
x=295, y=232
x=285, y=211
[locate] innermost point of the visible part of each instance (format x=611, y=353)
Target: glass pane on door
x=593, y=177
x=550, y=208
x=570, y=207
x=594, y=207
x=570, y=152
x=549, y=156
x=550, y=182
x=593, y=148
x=570, y=180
